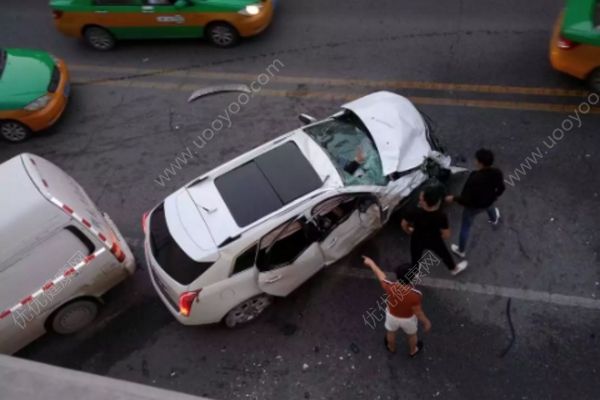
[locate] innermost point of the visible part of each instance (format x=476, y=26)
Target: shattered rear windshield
x=349, y=145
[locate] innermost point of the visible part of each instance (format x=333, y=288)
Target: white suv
x=262, y=224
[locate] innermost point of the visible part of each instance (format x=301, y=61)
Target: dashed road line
x=490, y=290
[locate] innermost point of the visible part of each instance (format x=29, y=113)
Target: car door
x=170, y=19
x=123, y=18
x=288, y=256
x=344, y=221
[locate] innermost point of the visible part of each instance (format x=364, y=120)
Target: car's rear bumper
x=578, y=61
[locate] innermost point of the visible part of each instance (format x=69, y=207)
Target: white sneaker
x=456, y=250
x=497, y=212
x=460, y=267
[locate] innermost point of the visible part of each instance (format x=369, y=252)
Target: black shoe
x=420, y=346
x=385, y=341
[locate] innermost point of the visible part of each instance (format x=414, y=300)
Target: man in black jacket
x=482, y=189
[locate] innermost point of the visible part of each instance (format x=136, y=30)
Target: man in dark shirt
x=482, y=189
x=428, y=227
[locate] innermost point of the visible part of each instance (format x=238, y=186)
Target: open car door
x=288, y=256
x=344, y=221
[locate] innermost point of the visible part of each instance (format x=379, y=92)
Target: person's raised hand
x=368, y=261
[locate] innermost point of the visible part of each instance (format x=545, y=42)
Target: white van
x=58, y=253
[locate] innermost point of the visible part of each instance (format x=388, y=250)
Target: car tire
x=247, y=311
x=593, y=81
x=223, y=35
x=14, y=131
x=99, y=38
x=73, y=316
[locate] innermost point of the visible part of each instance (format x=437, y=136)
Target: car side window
x=116, y=2
x=284, y=244
x=245, y=260
x=332, y=212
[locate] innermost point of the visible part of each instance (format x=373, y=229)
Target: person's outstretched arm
x=374, y=267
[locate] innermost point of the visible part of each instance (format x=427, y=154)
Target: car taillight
x=117, y=252
x=185, y=302
x=57, y=14
x=144, y=219
x=566, y=44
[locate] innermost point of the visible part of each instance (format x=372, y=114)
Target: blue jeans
x=468, y=217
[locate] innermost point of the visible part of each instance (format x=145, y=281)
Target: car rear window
x=172, y=259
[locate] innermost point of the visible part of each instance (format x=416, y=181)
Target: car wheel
x=248, y=311
x=74, y=316
x=14, y=131
x=99, y=38
x=222, y=35
x=594, y=81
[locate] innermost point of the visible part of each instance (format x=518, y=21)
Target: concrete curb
x=27, y=380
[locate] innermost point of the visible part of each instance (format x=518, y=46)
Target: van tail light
x=117, y=252
x=57, y=14
x=566, y=44
x=144, y=219
x=185, y=302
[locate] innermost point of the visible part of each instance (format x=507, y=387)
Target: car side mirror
x=306, y=119
x=181, y=3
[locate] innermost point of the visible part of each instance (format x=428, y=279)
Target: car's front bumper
x=253, y=25
x=47, y=116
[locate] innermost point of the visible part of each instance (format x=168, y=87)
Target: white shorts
x=408, y=325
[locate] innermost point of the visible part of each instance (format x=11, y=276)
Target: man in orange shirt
x=403, y=308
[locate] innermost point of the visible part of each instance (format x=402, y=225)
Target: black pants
x=418, y=247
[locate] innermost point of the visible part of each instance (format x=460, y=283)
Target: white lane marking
x=490, y=290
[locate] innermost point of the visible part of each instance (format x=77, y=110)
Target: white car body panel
x=397, y=127
x=38, y=247
x=282, y=281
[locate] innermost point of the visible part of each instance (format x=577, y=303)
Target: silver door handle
x=274, y=279
x=332, y=243
x=147, y=9
x=101, y=11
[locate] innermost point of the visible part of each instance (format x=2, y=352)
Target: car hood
x=25, y=77
x=397, y=127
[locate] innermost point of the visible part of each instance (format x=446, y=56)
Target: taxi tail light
x=566, y=44
x=57, y=14
x=185, y=302
x=144, y=219
x=117, y=252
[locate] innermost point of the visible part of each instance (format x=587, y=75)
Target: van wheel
x=222, y=35
x=248, y=311
x=594, y=81
x=99, y=38
x=14, y=131
x=73, y=316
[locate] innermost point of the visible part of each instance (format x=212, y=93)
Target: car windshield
x=349, y=145
x=2, y=61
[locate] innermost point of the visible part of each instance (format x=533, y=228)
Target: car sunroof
x=267, y=183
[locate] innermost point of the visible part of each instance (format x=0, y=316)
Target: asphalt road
x=479, y=69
